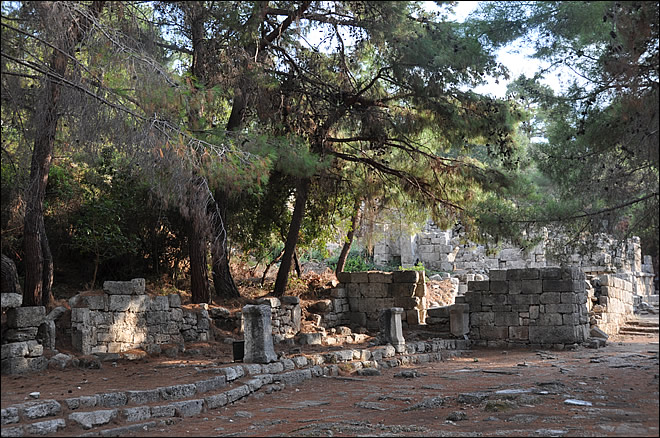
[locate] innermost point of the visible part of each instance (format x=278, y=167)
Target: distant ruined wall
x=442, y=250
x=360, y=296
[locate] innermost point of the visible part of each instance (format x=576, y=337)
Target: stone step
x=638, y=323
x=638, y=330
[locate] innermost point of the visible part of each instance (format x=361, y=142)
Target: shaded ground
x=620, y=381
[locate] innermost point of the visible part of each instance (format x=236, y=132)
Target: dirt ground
x=620, y=381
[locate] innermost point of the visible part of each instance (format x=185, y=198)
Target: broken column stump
x=258, y=334
x=390, y=328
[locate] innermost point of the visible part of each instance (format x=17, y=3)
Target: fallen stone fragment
x=368, y=372
x=371, y=405
x=407, y=374
x=457, y=416
x=574, y=402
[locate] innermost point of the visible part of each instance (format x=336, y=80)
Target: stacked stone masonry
x=537, y=307
x=360, y=296
x=614, y=299
x=21, y=350
x=125, y=317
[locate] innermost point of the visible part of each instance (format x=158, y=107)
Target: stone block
x=162, y=411
x=23, y=317
x=11, y=300
x=188, y=408
x=549, y=319
x=380, y=277
x=174, y=300
x=44, y=427
x=497, y=274
x=87, y=420
x=531, y=287
x=550, y=273
x=390, y=326
x=95, y=302
x=33, y=410
x=459, y=319
x=563, y=334
x=561, y=308
x=273, y=302
x=405, y=277
x=550, y=298
x=507, y=319
x=499, y=287
x=139, y=413
x=479, y=319
x=557, y=285
x=523, y=274
x=111, y=399
x=143, y=397
x=519, y=333
x=135, y=286
x=159, y=303
x=216, y=401
x=402, y=289
x=176, y=392
x=493, y=333
x=237, y=393
x=438, y=312
x=360, y=277
x=483, y=285
x=523, y=299
x=119, y=303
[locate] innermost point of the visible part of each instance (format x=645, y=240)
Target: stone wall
x=360, y=296
x=286, y=316
x=538, y=307
x=21, y=352
x=614, y=303
x=448, y=251
x=124, y=317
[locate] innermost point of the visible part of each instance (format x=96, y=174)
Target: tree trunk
x=199, y=276
x=42, y=154
x=341, y=262
x=292, y=237
x=38, y=259
x=47, y=298
x=275, y=260
x=296, y=264
x=199, y=284
x=223, y=282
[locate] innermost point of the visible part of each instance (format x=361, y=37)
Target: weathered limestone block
x=390, y=328
x=459, y=319
x=11, y=300
x=22, y=317
x=134, y=287
x=258, y=334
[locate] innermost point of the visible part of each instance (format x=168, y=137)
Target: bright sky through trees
x=516, y=57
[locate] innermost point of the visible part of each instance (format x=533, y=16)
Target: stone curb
x=267, y=377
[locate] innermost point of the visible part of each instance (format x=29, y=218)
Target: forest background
x=167, y=139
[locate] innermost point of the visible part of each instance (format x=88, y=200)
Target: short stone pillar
x=459, y=319
x=390, y=328
x=258, y=334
